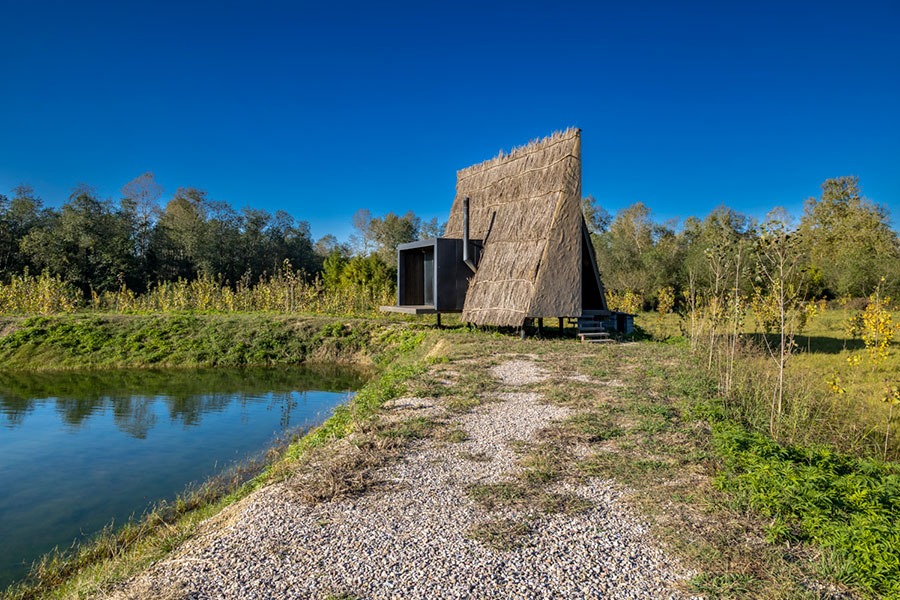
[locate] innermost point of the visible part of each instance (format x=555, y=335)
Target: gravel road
x=408, y=539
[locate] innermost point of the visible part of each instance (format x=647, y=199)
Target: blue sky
x=321, y=110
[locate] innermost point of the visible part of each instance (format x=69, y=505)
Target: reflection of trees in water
x=188, y=394
x=14, y=409
x=134, y=415
x=287, y=401
x=189, y=410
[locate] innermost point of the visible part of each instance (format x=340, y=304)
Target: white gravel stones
x=519, y=372
x=408, y=540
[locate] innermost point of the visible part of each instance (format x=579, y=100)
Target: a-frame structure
x=536, y=260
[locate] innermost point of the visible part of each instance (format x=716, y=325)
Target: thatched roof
x=526, y=207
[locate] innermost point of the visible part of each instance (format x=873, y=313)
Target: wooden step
x=588, y=340
x=592, y=329
x=594, y=334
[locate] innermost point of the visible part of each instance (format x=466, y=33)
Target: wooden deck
x=424, y=309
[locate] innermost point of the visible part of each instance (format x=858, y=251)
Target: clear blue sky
x=320, y=110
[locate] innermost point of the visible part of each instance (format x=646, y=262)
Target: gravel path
x=407, y=540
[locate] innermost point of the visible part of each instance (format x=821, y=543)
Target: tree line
x=99, y=245
x=842, y=245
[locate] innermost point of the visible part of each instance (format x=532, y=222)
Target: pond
x=81, y=449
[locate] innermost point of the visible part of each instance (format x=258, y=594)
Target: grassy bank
x=754, y=518
x=117, y=553
x=192, y=340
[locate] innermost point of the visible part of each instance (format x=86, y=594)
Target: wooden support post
x=438, y=320
x=540, y=327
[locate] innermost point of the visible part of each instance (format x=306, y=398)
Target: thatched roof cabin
x=537, y=259
x=527, y=252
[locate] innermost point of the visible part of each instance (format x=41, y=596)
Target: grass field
x=822, y=349
x=857, y=417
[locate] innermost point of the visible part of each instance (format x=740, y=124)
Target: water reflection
x=78, y=449
x=187, y=394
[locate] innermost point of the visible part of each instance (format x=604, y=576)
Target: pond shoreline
x=140, y=435
x=117, y=552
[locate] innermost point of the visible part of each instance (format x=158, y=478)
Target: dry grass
x=453, y=436
x=285, y=291
x=475, y=456
x=853, y=421
x=632, y=424
x=500, y=534
x=350, y=468
x=663, y=456
x=347, y=469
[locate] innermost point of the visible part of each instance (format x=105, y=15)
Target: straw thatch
x=526, y=207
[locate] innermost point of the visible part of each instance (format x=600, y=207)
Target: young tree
x=333, y=268
x=140, y=198
x=719, y=232
x=778, y=253
x=363, y=240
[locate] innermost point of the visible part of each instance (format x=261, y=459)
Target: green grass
x=454, y=436
x=822, y=349
x=854, y=421
x=411, y=429
x=193, y=340
x=846, y=505
x=823, y=514
x=493, y=495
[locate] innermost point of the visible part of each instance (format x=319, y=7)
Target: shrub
x=848, y=505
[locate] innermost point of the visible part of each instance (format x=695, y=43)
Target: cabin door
x=429, y=277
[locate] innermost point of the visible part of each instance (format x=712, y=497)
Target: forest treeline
x=842, y=245
x=843, y=241
x=100, y=245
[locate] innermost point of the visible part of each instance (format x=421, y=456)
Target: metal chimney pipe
x=466, y=258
